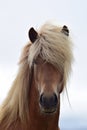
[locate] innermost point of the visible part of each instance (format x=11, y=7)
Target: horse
x=33, y=102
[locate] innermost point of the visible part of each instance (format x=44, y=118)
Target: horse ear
x=32, y=35
x=65, y=30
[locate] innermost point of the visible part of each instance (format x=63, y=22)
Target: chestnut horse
x=33, y=102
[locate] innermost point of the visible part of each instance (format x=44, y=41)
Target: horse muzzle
x=48, y=104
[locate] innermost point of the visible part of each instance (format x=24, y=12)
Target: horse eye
x=35, y=62
x=39, y=62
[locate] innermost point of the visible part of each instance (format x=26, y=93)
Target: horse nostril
x=48, y=102
x=41, y=99
x=55, y=99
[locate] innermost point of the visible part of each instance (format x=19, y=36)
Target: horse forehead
x=47, y=67
x=48, y=72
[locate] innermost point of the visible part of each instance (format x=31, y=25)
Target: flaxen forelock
x=54, y=47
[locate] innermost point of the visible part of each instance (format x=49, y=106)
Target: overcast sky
x=16, y=17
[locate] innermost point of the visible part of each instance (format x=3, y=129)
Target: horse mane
x=16, y=104
x=51, y=45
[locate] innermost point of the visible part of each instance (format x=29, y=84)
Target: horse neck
x=37, y=120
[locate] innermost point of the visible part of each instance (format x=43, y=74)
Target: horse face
x=49, y=84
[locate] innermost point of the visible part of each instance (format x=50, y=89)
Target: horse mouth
x=48, y=105
x=48, y=110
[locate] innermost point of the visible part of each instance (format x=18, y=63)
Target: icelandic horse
x=33, y=102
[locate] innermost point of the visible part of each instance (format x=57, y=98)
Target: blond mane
x=54, y=47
